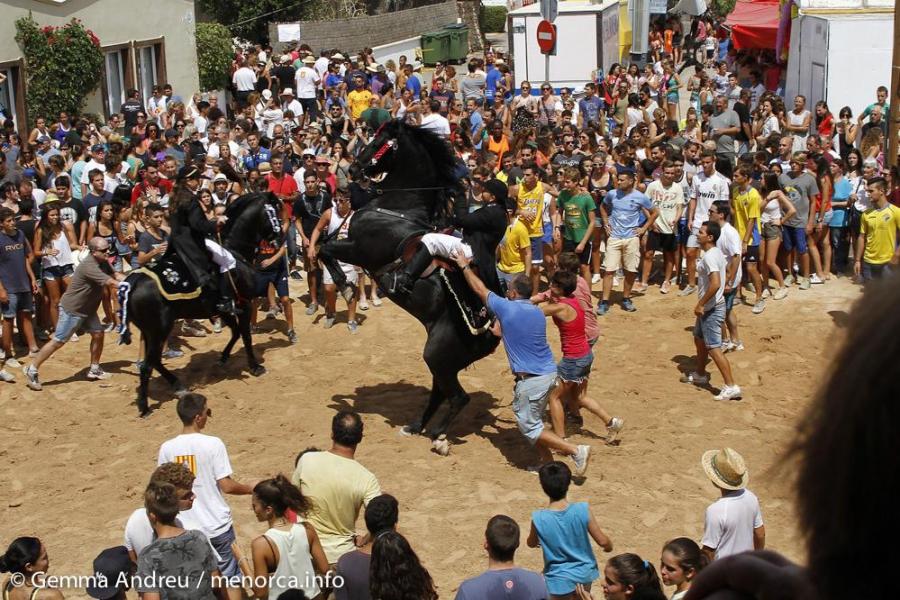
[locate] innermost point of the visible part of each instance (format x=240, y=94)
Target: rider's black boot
x=405, y=278
x=226, y=304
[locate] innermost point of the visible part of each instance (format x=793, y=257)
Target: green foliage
x=232, y=13
x=63, y=65
x=214, y=54
x=492, y=19
x=722, y=8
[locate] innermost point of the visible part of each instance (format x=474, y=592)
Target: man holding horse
x=524, y=332
x=78, y=309
x=192, y=236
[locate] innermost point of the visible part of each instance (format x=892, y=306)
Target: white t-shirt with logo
x=706, y=189
x=730, y=522
x=207, y=458
x=306, y=80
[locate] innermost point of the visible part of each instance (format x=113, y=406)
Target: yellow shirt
x=880, y=227
x=338, y=488
x=358, y=100
x=515, y=240
x=745, y=206
x=532, y=202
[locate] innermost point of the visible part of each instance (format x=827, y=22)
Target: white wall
x=833, y=4
x=576, y=49
x=410, y=47
x=856, y=69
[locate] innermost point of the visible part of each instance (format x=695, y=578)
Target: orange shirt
x=499, y=148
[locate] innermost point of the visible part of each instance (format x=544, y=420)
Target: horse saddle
x=410, y=246
x=173, y=278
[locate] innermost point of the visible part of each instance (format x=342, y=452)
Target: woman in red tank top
x=575, y=366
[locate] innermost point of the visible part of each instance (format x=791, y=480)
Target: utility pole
x=894, y=98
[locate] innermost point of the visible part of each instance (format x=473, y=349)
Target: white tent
x=690, y=7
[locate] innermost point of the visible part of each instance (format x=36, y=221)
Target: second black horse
x=419, y=176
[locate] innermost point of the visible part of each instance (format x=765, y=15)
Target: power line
x=277, y=10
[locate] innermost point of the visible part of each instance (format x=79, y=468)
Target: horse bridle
x=386, y=147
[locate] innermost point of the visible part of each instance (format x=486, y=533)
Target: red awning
x=754, y=24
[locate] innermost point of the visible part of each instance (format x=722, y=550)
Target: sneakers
x=804, y=283
x=602, y=308
x=96, y=373
x=109, y=327
x=789, y=280
x=329, y=321
x=688, y=290
x=729, y=346
x=759, y=307
x=613, y=428
x=815, y=279
x=74, y=337
x=780, y=293
x=191, y=329
x=695, y=378
x=292, y=337
x=353, y=326
x=596, y=278
x=311, y=309
x=217, y=325
x=170, y=353
x=363, y=304
x=31, y=378
x=729, y=392
x=581, y=459
x=12, y=363
x=642, y=287
x=628, y=305
x=664, y=288
x=376, y=301
x=6, y=376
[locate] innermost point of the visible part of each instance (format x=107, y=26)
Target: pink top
x=571, y=333
x=583, y=295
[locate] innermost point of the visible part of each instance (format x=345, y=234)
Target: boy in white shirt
x=207, y=459
x=734, y=522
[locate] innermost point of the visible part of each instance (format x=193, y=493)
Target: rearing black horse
x=419, y=168
x=252, y=218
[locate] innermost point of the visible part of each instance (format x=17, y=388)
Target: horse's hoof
x=412, y=429
x=258, y=370
x=441, y=446
x=144, y=413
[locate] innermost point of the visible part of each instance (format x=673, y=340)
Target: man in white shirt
x=207, y=459
x=97, y=161
x=289, y=103
x=337, y=485
x=306, y=81
x=734, y=522
x=710, y=312
x=321, y=65
x=731, y=246
x=244, y=80
x=433, y=121
x=708, y=186
x=156, y=106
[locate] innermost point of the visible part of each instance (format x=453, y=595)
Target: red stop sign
x=546, y=36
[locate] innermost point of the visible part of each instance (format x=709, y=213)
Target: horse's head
x=253, y=218
x=380, y=155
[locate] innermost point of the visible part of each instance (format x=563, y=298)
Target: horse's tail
x=123, y=294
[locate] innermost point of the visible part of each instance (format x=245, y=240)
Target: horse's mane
x=241, y=203
x=438, y=150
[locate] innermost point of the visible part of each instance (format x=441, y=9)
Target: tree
x=214, y=54
x=722, y=8
x=249, y=19
x=63, y=65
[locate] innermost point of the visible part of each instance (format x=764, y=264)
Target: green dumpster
x=459, y=42
x=435, y=47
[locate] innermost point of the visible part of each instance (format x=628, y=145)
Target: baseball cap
x=43, y=138
x=220, y=177
x=309, y=152
x=98, y=148
x=109, y=566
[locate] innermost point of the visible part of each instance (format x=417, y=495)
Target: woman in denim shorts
x=53, y=244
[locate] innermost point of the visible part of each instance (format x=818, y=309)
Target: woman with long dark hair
x=27, y=562
x=819, y=247
x=776, y=208
x=628, y=574
x=288, y=549
x=54, y=241
x=680, y=563
x=396, y=572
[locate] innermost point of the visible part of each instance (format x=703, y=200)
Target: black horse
x=414, y=194
x=251, y=218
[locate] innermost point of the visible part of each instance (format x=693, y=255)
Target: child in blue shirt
x=563, y=532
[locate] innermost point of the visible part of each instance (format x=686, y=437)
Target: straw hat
x=337, y=56
x=725, y=468
x=309, y=60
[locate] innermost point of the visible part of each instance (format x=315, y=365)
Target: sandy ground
x=75, y=458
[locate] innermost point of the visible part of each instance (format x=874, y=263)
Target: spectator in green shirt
x=579, y=216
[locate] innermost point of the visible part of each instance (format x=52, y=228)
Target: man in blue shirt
x=476, y=121
x=503, y=579
x=413, y=83
x=493, y=76
x=524, y=331
x=621, y=212
x=257, y=154
x=590, y=107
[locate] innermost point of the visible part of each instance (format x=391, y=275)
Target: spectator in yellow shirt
x=358, y=99
x=876, y=253
x=514, y=250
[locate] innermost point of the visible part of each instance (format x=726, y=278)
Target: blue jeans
x=708, y=327
x=228, y=564
x=872, y=271
x=292, y=249
x=18, y=302
x=69, y=324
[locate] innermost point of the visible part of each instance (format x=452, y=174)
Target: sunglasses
x=102, y=250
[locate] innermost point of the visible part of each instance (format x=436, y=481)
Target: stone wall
x=353, y=35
